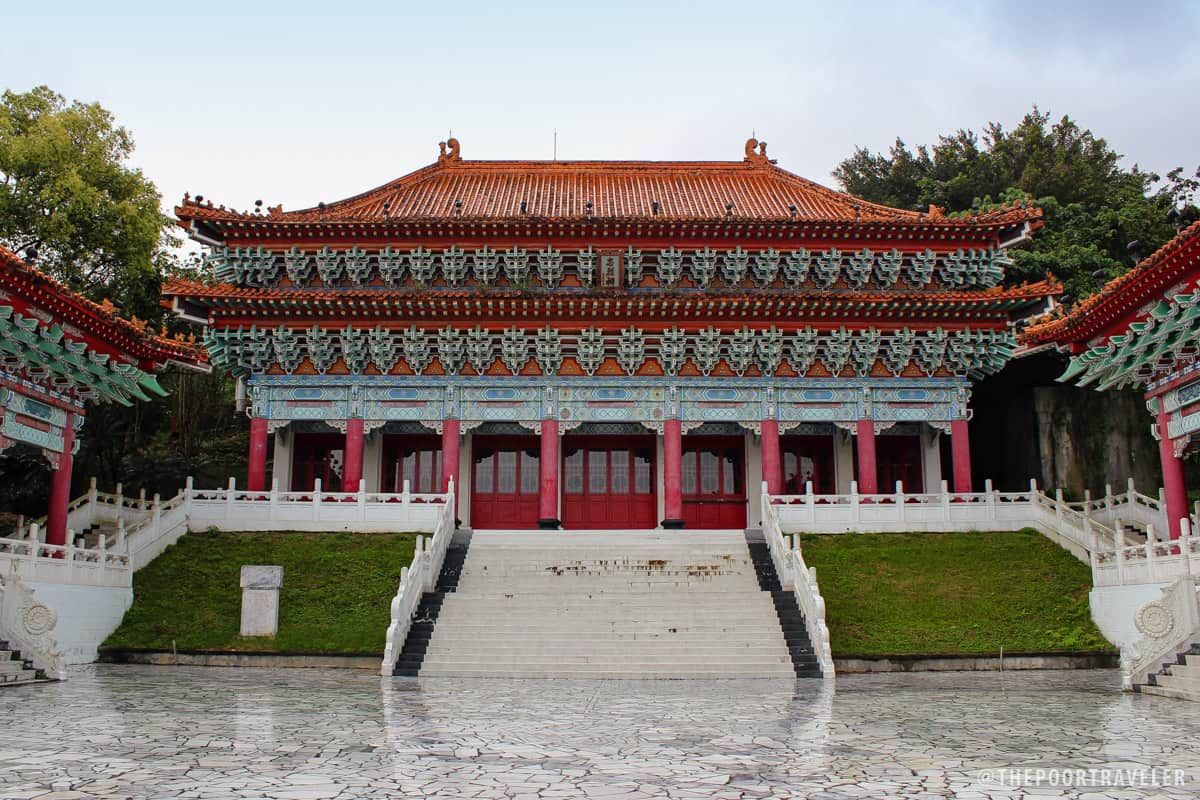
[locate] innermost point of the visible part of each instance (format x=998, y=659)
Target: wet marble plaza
x=125, y=731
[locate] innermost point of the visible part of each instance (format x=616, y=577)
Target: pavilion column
x=771, y=473
x=451, y=429
x=672, y=474
x=868, y=480
x=548, y=488
x=1172, y=469
x=60, y=488
x=960, y=448
x=256, y=472
x=352, y=473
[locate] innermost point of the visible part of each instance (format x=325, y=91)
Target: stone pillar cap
x=261, y=577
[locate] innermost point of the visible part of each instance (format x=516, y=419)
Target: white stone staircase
x=1180, y=680
x=651, y=604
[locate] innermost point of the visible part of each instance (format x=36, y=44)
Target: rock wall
x=1028, y=426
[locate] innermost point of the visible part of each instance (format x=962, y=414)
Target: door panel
x=607, y=482
x=898, y=458
x=714, y=482
x=808, y=458
x=318, y=455
x=504, y=482
x=413, y=458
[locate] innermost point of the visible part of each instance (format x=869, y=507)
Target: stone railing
x=420, y=577
x=32, y=559
x=236, y=509
x=1150, y=559
x=28, y=626
x=1168, y=625
x=1131, y=508
x=943, y=511
x=799, y=578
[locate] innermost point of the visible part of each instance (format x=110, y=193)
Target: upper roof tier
x=452, y=190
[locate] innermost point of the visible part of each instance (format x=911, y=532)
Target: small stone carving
x=1154, y=620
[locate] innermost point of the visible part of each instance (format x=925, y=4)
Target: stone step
x=18, y=677
x=1176, y=694
x=660, y=673
x=9, y=666
x=1184, y=683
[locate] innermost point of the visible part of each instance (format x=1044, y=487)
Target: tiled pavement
x=123, y=731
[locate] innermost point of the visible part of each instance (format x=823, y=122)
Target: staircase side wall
x=87, y=615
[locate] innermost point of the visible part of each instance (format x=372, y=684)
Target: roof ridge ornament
x=759, y=157
x=449, y=151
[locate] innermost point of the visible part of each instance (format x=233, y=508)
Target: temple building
x=60, y=351
x=1142, y=329
x=607, y=344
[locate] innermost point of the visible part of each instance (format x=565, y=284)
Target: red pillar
x=771, y=473
x=672, y=474
x=60, y=488
x=450, y=432
x=1172, y=469
x=960, y=448
x=868, y=474
x=256, y=473
x=352, y=474
x=548, y=494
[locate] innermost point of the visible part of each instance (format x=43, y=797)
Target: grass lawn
x=952, y=593
x=337, y=590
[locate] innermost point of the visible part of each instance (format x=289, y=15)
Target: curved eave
x=215, y=230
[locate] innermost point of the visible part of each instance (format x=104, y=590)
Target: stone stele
x=260, y=599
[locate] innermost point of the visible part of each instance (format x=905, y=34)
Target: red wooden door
x=505, y=482
x=714, y=482
x=808, y=458
x=608, y=482
x=416, y=459
x=898, y=458
x=318, y=455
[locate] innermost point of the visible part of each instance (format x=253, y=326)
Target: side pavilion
x=60, y=351
x=1142, y=330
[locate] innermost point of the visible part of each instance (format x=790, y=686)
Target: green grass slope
x=952, y=593
x=337, y=589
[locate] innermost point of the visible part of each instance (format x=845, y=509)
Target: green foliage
x=336, y=595
x=1093, y=207
x=952, y=593
x=65, y=188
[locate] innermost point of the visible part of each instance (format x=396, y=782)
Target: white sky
x=297, y=103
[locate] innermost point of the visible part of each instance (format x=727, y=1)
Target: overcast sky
x=302, y=102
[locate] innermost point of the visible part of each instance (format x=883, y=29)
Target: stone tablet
x=260, y=600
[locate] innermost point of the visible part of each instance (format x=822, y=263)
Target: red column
x=352, y=474
x=770, y=457
x=548, y=495
x=868, y=474
x=450, y=432
x=256, y=472
x=960, y=448
x=672, y=474
x=1172, y=469
x=60, y=488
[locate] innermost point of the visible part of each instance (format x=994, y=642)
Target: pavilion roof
x=455, y=191
x=32, y=293
x=1125, y=297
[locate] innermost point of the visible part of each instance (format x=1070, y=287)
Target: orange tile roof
x=132, y=336
x=1122, y=295
x=715, y=191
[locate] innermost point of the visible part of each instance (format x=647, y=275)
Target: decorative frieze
x=672, y=267
x=522, y=400
x=710, y=350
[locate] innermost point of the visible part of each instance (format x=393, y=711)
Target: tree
x=67, y=191
x=1093, y=207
